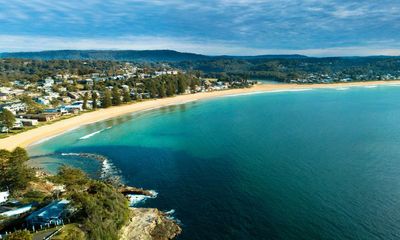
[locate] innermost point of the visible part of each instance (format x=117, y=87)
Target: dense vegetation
x=285, y=69
x=274, y=67
x=102, y=210
x=34, y=70
x=122, y=55
x=14, y=173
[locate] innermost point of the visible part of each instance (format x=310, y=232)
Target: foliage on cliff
x=101, y=209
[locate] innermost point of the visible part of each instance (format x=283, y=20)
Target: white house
x=4, y=196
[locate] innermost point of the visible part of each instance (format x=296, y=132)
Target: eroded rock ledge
x=149, y=224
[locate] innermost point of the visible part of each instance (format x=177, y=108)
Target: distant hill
x=132, y=55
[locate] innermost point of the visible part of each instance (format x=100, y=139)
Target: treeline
x=34, y=70
x=114, y=94
x=285, y=69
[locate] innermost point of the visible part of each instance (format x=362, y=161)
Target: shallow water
x=318, y=164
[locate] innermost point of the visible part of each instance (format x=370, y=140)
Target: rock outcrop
x=149, y=224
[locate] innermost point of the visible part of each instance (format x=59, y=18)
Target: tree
x=14, y=172
x=55, y=102
x=161, y=90
x=85, y=100
x=94, y=100
x=72, y=178
x=181, y=84
x=106, y=101
x=20, y=235
x=7, y=118
x=170, y=88
x=126, y=96
x=116, y=97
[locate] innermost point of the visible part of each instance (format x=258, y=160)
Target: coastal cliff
x=149, y=224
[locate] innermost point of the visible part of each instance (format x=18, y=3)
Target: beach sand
x=24, y=139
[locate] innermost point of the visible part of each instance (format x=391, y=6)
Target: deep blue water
x=318, y=164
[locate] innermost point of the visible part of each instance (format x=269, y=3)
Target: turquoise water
x=318, y=164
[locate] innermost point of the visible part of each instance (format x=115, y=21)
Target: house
x=73, y=95
x=3, y=96
x=54, y=213
x=41, y=117
x=4, y=196
x=14, y=107
x=16, y=211
x=28, y=122
x=42, y=100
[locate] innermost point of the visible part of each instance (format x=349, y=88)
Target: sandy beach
x=29, y=137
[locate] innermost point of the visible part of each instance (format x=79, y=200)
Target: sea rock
x=133, y=190
x=149, y=224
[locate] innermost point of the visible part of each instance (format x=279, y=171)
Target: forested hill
x=130, y=55
x=113, y=55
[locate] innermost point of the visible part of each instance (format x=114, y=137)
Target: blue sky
x=240, y=27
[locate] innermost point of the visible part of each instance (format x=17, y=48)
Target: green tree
x=170, y=88
x=14, y=172
x=20, y=235
x=161, y=90
x=7, y=118
x=106, y=101
x=116, y=97
x=181, y=84
x=85, y=101
x=74, y=179
x=126, y=96
x=94, y=100
x=55, y=102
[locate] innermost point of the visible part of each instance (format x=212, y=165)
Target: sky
x=213, y=27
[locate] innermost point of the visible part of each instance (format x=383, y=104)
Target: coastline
x=27, y=138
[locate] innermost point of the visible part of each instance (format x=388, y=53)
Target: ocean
x=316, y=164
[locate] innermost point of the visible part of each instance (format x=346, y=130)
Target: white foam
x=170, y=212
x=91, y=135
x=342, y=88
x=370, y=86
x=135, y=199
x=170, y=216
x=272, y=91
x=70, y=154
x=94, y=133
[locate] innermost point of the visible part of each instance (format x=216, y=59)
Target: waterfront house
x=41, y=117
x=28, y=122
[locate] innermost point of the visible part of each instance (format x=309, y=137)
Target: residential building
x=4, y=196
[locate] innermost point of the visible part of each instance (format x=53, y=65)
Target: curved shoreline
x=27, y=138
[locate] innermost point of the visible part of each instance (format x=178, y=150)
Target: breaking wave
x=92, y=134
x=135, y=199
